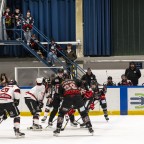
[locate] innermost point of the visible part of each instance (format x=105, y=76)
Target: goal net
x=26, y=76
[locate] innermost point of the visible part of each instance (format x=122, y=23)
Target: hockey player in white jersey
x=34, y=101
x=9, y=100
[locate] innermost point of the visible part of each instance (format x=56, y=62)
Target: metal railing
x=37, y=31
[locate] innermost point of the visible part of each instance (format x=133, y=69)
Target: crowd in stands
x=14, y=22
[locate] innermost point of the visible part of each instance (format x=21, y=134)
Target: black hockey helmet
x=109, y=78
x=12, y=82
x=60, y=70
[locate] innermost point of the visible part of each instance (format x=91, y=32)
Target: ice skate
x=50, y=124
x=44, y=119
x=35, y=127
x=106, y=117
x=91, y=130
x=56, y=132
x=18, y=134
x=83, y=125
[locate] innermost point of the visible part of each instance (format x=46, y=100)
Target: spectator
x=88, y=77
x=124, y=81
x=52, y=55
x=8, y=23
x=133, y=74
x=71, y=55
x=34, y=42
x=17, y=23
x=34, y=45
x=27, y=26
x=109, y=82
x=3, y=80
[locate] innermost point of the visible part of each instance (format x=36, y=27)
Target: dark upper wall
x=128, y=27
x=97, y=27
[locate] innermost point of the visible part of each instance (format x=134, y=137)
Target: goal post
x=26, y=76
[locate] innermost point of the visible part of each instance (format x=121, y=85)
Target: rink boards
x=121, y=100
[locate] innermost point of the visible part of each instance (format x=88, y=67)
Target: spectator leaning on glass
x=8, y=23
x=27, y=26
x=71, y=55
x=133, y=74
x=3, y=80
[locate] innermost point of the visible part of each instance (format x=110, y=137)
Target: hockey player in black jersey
x=70, y=90
x=55, y=98
x=99, y=95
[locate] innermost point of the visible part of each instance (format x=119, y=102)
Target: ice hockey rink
x=119, y=130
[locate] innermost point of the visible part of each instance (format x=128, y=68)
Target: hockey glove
x=92, y=106
x=16, y=102
x=71, y=112
x=4, y=116
x=102, y=97
x=88, y=94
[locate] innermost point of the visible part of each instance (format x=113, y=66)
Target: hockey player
x=99, y=94
x=55, y=98
x=124, y=81
x=34, y=101
x=48, y=92
x=70, y=91
x=9, y=100
x=109, y=82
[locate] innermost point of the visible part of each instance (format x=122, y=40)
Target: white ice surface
x=119, y=130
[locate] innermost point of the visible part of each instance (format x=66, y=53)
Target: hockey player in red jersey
x=55, y=98
x=69, y=89
x=34, y=101
x=9, y=101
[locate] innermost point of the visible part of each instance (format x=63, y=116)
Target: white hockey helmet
x=39, y=80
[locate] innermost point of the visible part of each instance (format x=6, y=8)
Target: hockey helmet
x=109, y=78
x=39, y=80
x=12, y=82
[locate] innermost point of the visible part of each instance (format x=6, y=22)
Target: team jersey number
x=4, y=94
x=70, y=86
x=5, y=90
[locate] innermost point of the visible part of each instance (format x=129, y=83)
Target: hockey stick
x=62, y=129
x=1, y=121
x=67, y=119
x=81, y=117
x=52, y=123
